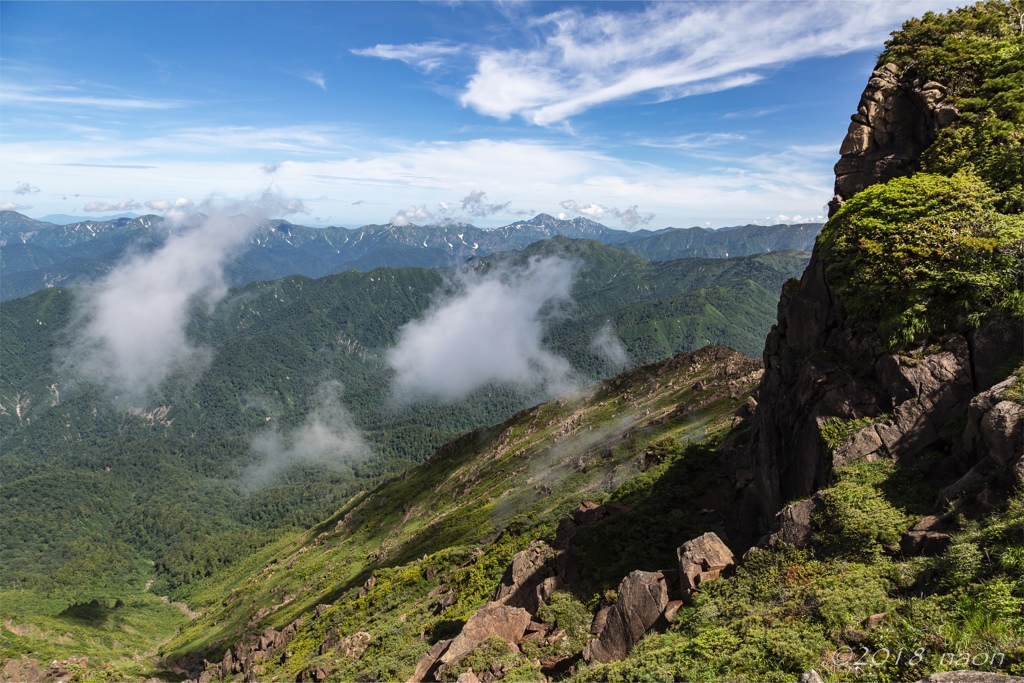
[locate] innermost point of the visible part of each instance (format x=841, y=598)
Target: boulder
x=428, y=662
x=702, y=559
x=794, y=522
x=928, y=537
x=641, y=603
x=490, y=621
x=22, y=670
x=529, y=580
x=1002, y=429
x=811, y=676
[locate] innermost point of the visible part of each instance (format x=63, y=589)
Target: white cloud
x=784, y=219
x=490, y=331
x=412, y=215
x=668, y=51
x=11, y=206
x=426, y=56
x=129, y=329
x=127, y=204
x=25, y=188
x=176, y=211
x=607, y=344
x=630, y=217
x=475, y=205
x=732, y=187
x=591, y=210
x=15, y=93
x=328, y=437
x=316, y=78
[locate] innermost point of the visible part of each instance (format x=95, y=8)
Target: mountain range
x=35, y=255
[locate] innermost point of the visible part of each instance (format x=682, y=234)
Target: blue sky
x=634, y=114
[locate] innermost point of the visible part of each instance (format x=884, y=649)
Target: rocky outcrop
x=530, y=579
x=493, y=620
x=22, y=670
x=642, y=599
x=896, y=120
x=995, y=429
x=928, y=537
x=821, y=366
x=249, y=654
x=703, y=559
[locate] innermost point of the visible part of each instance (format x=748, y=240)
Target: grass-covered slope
x=470, y=507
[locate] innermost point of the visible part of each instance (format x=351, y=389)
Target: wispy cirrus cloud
x=667, y=51
x=14, y=93
x=316, y=78
x=425, y=56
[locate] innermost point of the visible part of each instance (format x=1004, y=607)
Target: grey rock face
x=642, y=599
x=820, y=365
x=529, y=580
x=895, y=122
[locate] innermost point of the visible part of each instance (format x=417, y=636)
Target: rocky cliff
x=833, y=391
x=897, y=118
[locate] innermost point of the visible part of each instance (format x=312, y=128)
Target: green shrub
x=961, y=563
x=978, y=53
x=925, y=254
x=856, y=522
x=564, y=611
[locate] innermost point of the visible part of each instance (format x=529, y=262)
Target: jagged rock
x=22, y=670
x=811, y=676
x=642, y=598
x=467, y=677
x=428, y=662
x=491, y=620
x=588, y=512
x=529, y=580
x=702, y=559
x=895, y=122
x=671, y=609
x=370, y=583
x=794, y=522
x=863, y=442
x=928, y=537
x=819, y=365
x=975, y=480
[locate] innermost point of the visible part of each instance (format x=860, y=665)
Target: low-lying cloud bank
x=489, y=331
x=128, y=333
x=327, y=437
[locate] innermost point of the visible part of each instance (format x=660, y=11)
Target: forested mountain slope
x=97, y=488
